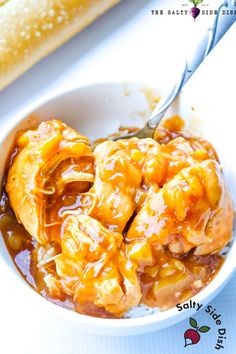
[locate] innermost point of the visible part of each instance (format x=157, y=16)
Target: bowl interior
x=101, y=109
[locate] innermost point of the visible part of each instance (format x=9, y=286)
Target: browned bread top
x=30, y=29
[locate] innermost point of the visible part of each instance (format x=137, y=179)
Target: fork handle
x=210, y=38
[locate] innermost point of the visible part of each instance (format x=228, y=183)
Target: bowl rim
x=203, y=297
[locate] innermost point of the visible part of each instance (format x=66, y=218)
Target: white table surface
x=125, y=44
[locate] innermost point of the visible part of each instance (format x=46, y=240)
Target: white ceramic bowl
x=97, y=111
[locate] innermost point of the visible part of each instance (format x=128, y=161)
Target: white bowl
x=96, y=111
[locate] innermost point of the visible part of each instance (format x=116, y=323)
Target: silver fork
x=210, y=38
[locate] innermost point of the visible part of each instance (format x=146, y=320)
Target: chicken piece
x=193, y=210
x=185, y=152
x=121, y=167
x=116, y=180
x=40, y=153
x=207, y=214
x=92, y=267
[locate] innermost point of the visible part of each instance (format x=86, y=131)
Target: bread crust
x=31, y=29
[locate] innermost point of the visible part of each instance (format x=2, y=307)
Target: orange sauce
x=157, y=279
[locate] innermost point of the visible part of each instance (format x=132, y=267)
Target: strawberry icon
x=195, y=11
x=192, y=336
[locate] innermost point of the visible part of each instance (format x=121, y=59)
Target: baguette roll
x=31, y=29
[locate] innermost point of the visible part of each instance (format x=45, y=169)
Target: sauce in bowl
x=138, y=221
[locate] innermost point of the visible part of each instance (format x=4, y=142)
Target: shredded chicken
x=193, y=210
x=121, y=167
x=93, y=268
x=135, y=221
x=41, y=151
